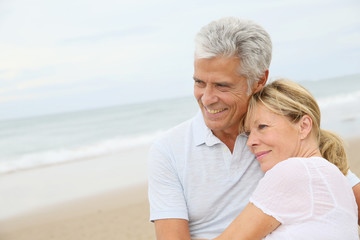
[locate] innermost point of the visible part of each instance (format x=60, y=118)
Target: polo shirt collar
x=203, y=134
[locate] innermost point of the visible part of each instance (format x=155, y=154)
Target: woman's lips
x=261, y=154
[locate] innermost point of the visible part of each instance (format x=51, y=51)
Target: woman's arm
x=251, y=224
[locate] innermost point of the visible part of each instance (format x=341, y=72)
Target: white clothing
x=194, y=176
x=311, y=199
x=352, y=178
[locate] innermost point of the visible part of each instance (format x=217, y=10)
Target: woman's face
x=272, y=137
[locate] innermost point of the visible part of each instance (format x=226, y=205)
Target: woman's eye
x=247, y=133
x=262, y=126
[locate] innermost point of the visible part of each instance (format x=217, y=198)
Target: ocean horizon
x=52, y=139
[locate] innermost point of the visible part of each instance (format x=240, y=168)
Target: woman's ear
x=305, y=125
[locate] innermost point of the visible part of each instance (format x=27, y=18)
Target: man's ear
x=261, y=82
x=305, y=125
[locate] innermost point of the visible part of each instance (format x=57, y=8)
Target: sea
x=76, y=136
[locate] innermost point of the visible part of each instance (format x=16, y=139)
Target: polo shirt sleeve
x=166, y=196
x=352, y=178
x=285, y=192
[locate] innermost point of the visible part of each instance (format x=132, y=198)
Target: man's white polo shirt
x=194, y=176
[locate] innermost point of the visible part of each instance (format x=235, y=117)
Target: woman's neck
x=310, y=148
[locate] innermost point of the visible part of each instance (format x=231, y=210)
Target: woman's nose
x=252, y=140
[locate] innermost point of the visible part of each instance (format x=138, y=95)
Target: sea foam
x=59, y=156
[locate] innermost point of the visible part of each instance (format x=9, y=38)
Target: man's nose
x=209, y=96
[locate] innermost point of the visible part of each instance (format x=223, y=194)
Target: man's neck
x=228, y=138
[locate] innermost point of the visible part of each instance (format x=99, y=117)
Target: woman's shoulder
x=285, y=191
x=297, y=172
x=291, y=167
x=299, y=165
x=289, y=174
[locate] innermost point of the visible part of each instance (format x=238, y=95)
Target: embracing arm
x=279, y=192
x=174, y=229
x=251, y=224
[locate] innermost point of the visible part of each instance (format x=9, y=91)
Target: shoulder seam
x=311, y=188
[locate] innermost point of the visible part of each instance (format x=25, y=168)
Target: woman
x=304, y=193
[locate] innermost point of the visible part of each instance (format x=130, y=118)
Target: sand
x=100, y=208
x=90, y=199
x=113, y=215
x=353, y=154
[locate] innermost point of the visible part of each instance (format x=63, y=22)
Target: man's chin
x=213, y=125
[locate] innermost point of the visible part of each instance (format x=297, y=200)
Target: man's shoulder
x=179, y=132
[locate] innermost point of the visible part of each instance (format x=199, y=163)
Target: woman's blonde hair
x=287, y=98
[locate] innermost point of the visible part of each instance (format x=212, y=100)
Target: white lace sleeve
x=285, y=192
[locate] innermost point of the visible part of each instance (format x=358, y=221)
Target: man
x=201, y=174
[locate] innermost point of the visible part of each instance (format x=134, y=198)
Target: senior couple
x=254, y=163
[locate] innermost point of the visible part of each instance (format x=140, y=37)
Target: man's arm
x=168, y=208
x=356, y=190
x=355, y=183
x=174, y=229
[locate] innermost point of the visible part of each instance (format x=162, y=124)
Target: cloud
x=40, y=90
x=41, y=82
x=134, y=31
x=15, y=57
x=351, y=40
x=54, y=48
x=26, y=89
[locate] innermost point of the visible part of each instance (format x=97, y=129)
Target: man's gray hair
x=229, y=37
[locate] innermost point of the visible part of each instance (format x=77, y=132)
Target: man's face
x=221, y=93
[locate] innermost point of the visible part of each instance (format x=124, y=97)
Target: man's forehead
x=215, y=77
x=218, y=64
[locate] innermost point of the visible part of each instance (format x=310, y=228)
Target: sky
x=69, y=55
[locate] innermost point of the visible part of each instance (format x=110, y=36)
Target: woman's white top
x=311, y=199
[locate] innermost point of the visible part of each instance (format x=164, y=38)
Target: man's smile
x=213, y=111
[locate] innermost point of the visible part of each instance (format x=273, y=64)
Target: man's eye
x=199, y=83
x=222, y=85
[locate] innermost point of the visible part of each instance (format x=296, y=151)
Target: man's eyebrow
x=223, y=83
x=197, y=79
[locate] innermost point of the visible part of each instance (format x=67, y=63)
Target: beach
x=87, y=199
